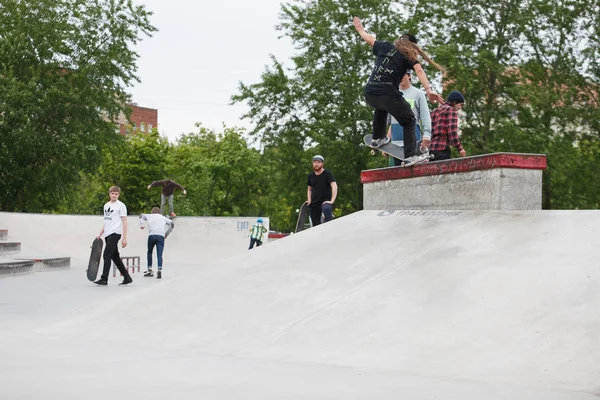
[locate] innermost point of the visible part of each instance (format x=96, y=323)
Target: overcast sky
x=191, y=67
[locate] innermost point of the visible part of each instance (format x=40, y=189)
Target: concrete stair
x=13, y=261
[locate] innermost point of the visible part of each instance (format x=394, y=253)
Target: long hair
x=411, y=51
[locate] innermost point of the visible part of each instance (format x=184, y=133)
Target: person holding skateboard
x=257, y=233
x=168, y=188
x=322, y=191
x=381, y=91
x=159, y=227
x=115, y=227
x=445, y=127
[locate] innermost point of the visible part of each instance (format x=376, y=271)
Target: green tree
x=132, y=165
x=65, y=66
x=316, y=105
x=222, y=174
x=143, y=162
x=527, y=72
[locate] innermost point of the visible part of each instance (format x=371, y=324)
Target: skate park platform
x=499, y=181
x=382, y=304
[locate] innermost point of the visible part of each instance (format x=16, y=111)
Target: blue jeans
x=315, y=213
x=159, y=242
x=253, y=242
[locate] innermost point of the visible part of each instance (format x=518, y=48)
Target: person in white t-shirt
x=115, y=226
x=159, y=227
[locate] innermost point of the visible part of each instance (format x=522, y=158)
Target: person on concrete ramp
x=381, y=91
x=159, y=227
x=168, y=188
x=257, y=233
x=115, y=227
x=322, y=191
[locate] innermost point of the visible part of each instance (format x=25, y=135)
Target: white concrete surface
x=382, y=305
x=202, y=238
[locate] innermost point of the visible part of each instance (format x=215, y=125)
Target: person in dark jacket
x=168, y=188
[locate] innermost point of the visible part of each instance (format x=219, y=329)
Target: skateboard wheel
x=373, y=152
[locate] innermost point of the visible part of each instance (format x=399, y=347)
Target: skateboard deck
x=396, y=151
x=94, y=263
x=390, y=149
x=302, y=217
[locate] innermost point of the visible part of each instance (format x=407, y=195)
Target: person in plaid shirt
x=444, y=128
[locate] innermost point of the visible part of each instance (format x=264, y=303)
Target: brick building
x=142, y=119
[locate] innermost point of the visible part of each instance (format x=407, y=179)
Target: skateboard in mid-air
x=302, y=217
x=396, y=151
x=94, y=263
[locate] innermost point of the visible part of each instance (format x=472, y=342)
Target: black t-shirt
x=321, y=187
x=390, y=65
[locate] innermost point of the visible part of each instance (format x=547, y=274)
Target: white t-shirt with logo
x=112, y=217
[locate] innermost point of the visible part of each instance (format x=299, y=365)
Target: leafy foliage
x=64, y=69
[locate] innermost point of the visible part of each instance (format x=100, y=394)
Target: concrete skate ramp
x=202, y=238
x=385, y=305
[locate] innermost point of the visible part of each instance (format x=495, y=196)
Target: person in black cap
x=381, y=91
x=444, y=128
x=322, y=191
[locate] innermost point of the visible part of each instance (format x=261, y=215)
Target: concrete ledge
x=457, y=165
x=7, y=248
x=50, y=264
x=502, y=181
x=16, y=267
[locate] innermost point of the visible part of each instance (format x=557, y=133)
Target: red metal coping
x=456, y=165
x=277, y=235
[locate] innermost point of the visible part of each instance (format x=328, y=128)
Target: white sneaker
x=148, y=273
x=407, y=162
x=380, y=142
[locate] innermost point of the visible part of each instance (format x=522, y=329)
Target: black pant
x=439, y=155
x=111, y=253
x=254, y=241
x=318, y=209
x=387, y=99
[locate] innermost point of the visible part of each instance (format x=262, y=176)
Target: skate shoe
x=380, y=142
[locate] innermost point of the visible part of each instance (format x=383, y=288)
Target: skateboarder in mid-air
x=115, y=226
x=418, y=102
x=159, y=227
x=168, y=188
x=381, y=91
